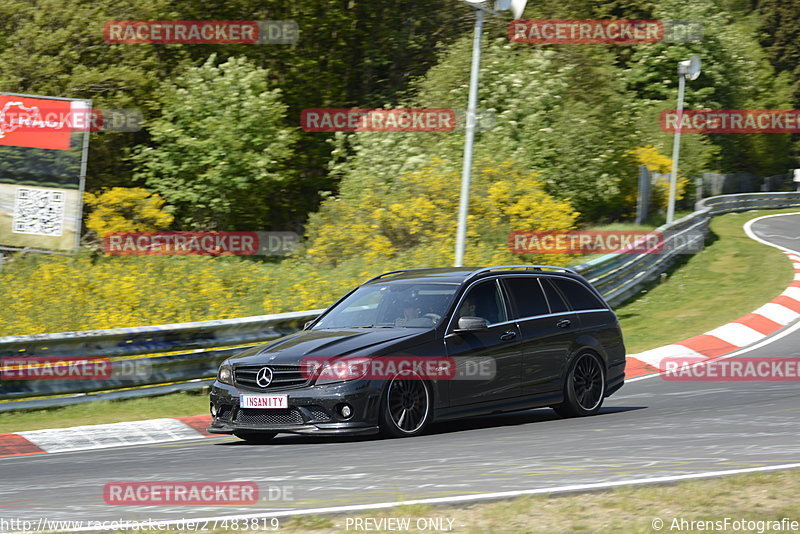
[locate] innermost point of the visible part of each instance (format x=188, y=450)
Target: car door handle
x=508, y=335
x=564, y=323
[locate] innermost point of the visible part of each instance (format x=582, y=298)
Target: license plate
x=264, y=402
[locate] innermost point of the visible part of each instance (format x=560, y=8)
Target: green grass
x=733, y=276
x=95, y=413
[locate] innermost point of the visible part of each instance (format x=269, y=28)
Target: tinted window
x=557, y=304
x=483, y=300
x=579, y=296
x=527, y=296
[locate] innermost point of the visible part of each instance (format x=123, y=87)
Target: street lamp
x=480, y=6
x=686, y=69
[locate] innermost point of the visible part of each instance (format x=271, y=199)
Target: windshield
x=403, y=305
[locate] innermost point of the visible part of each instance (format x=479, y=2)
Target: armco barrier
x=188, y=354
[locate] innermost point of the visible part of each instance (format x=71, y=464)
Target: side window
x=557, y=304
x=579, y=297
x=527, y=295
x=484, y=300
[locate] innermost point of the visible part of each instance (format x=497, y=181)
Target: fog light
x=213, y=410
x=345, y=411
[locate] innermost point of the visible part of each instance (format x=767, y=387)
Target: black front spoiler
x=331, y=429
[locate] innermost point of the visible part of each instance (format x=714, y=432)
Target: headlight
x=344, y=369
x=225, y=374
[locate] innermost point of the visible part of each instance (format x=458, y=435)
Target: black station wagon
x=411, y=347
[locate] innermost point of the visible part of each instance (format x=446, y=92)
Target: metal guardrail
x=187, y=354
x=184, y=352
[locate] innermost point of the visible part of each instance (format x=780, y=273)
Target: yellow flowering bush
x=650, y=157
x=126, y=209
x=412, y=221
x=58, y=293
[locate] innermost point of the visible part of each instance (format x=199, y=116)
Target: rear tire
x=255, y=437
x=585, y=387
x=405, y=406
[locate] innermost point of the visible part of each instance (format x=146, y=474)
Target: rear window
x=557, y=304
x=527, y=295
x=578, y=295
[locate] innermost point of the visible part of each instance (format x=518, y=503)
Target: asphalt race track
x=650, y=428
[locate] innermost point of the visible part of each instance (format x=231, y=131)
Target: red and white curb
x=743, y=332
x=80, y=438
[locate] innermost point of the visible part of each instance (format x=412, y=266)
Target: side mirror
x=471, y=324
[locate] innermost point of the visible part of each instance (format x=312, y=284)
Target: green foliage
x=220, y=147
x=56, y=48
x=356, y=53
x=735, y=75
x=546, y=120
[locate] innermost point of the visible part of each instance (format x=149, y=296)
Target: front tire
x=255, y=437
x=405, y=406
x=585, y=387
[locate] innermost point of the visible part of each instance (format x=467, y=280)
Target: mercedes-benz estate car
x=411, y=347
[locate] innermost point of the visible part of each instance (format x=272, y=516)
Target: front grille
x=283, y=376
x=247, y=416
x=224, y=413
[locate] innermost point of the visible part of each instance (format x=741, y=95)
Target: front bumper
x=311, y=410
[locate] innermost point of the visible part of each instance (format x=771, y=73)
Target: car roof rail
x=398, y=271
x=526, y=267
x=386, y=274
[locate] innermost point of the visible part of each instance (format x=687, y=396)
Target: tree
x=547, y=120
x=736, y=75
x=56, y=48
x=220, y=149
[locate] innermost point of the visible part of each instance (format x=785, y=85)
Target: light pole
x=516, y=6
x=686, y=69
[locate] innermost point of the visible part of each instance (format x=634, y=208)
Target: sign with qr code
x=42, y=166
x=38, y=212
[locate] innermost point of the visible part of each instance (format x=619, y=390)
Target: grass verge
x=731, y=277
x=752, y=501
x=631, y=509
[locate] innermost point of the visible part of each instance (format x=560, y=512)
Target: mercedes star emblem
x=264, y=377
